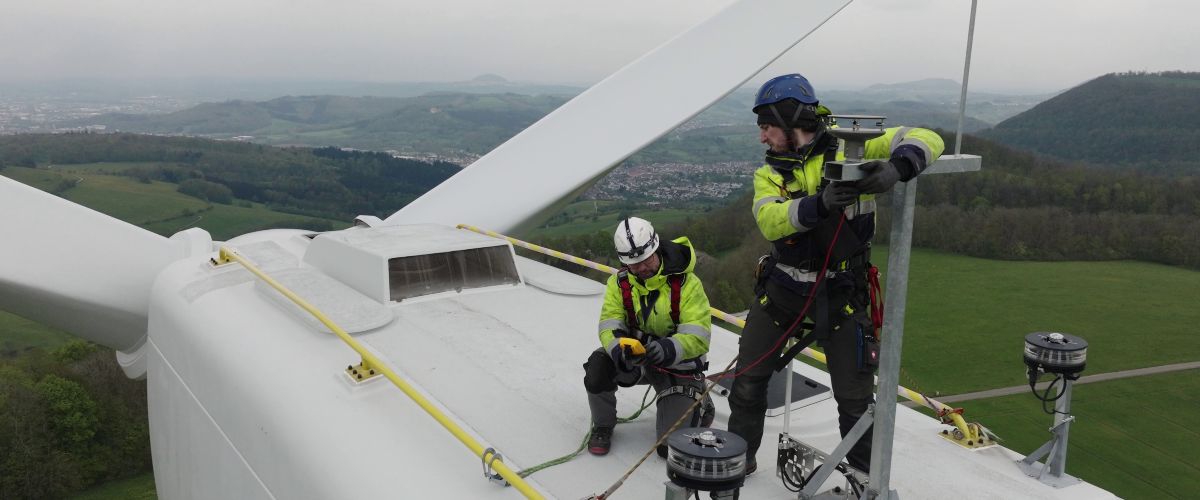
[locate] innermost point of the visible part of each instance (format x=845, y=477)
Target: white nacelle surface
x=250, y=401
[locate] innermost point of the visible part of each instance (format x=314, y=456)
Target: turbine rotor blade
x=76, y=269
x=534, y=173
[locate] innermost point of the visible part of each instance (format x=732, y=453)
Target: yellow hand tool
x=631, y=346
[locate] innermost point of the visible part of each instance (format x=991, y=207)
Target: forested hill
x=323, y=182
x=1144, y=120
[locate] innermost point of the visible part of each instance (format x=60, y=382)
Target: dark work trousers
x=604, y=404
x=852, y=386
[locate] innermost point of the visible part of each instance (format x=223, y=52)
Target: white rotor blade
x=565, y=152
x=77, y=269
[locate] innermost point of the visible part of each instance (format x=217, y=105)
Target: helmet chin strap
x=788, y=125
x=629, y=235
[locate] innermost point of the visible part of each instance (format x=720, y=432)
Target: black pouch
x=868, y=352
x=848, y=243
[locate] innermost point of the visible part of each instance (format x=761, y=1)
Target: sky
x=1021, y=46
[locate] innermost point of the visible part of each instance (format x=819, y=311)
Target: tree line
x=69, y=419
x=323, y=182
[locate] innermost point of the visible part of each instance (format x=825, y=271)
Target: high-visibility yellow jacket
x=787, y=209
x=691, y=336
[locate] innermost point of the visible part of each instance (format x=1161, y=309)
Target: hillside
x=442, y=123
x=326, y=182
x=474, y=123
x=464, y=125
x=246, y=117
x=1143, y=120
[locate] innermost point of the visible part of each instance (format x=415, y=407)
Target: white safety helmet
x=635, y=240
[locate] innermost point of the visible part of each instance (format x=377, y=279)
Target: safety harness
x=847, y=253
x=675, y=282
x=631, y=318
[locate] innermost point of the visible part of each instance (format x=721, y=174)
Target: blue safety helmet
x=793, y=86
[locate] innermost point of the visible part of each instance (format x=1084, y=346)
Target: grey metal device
x=1064, y=355
x=855, y=137
x=805, y=468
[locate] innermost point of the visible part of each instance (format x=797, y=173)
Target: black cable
x=791, y=477
x=855, y=487
x=1044, y=397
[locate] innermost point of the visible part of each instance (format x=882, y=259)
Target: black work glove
x=882, y=176
x=838, y=195
x=621, y=358
x=659, y=352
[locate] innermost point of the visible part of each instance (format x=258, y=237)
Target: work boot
x=751, y=465
x=601, y=440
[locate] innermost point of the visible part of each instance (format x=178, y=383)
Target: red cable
x=799, y=318
x=876, y=300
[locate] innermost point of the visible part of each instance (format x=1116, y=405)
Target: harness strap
x=627, y=298
x=876, y=300
x=676, y=281
x=791, y=353
x=686, y=390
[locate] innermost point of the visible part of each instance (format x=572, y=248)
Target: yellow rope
x=371, y=361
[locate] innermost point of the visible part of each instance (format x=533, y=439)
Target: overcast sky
x=1020, y=45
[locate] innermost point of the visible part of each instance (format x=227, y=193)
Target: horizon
x=283, y=81
x=1065, y=44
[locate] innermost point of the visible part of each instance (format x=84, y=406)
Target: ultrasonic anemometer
x=703, y=459
x=1065, y=356
x=855, y=137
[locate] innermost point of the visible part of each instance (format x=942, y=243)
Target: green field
x=1135, y=437
x=112, y=167
x=18, y=334
x=134, y=488
x=156, y=206
x=586, y=217
x=226, y=221
x=967, y=317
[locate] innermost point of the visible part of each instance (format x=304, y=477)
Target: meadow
x=155, y=205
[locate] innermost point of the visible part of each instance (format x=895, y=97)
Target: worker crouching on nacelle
x=654, y=329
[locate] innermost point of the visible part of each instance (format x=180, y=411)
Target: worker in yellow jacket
x=810, y=222
x=657, y=301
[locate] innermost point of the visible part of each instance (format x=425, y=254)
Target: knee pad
x=599, y=373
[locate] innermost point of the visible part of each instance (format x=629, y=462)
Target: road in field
x=1100, y=377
